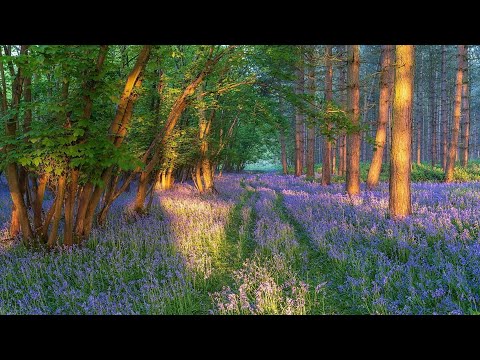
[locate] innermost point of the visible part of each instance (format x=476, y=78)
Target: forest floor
x=266, y=244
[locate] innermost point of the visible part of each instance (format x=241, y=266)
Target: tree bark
x=299, y=118
x=353, y=139
x=52, y=237
x=37, y=203
x=457, y=113
x=433, y=122
x=444, y=112
x=69, y=208
x=311, y=121
x=327, y=144
x=342, y=148
x=20, y=213
x=383, y=109
x=465, y=114
x=400, y=158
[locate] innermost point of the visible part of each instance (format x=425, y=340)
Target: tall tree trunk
x=117, y=131
x=204, y=132
x=457, y=113
x=20, y=213
x=383, y=108
x=353, y=139
x=465, y=114
x=327, y=145
x=52, y=237
x=176, y=112
x=400, y=203
x=433, y=118
x=444, y=113
x=299, y=118
x=311, y=121
x=342, y=148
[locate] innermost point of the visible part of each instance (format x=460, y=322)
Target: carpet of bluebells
x=265, y=244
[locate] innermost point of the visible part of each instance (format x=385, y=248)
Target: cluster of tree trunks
x=78, y=203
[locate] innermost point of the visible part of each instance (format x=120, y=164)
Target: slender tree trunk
x=19, y=212
x=117, y=131
x=457, y=113
x=82, y=209
x=400, y=204
x=383, y=108
x=37, y=203
x=299, y=119
x=69, y=208
x=327, y=144
x=342, y=166
x=310, y=85
x=353, y=139
x=465, y=114
x=444, y=112
x=433, y=122
x=419, y=140
x=52, y=237
x=204, y=132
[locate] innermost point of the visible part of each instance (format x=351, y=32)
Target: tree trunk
x=52, y=237
x=327, y=145
x=465, y=114
x=353, y=139
x=433, y=122
x=311, y=121
x=37, y=203
x=141, y=192
x=342, y=151
x=400, y=204
x=299, y=119
x=444, y=113
x=457, y=112
x=20, y=213
x=69, y=209
x=383, y=109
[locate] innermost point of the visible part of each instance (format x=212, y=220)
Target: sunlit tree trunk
x=353, y=139
x=342, y=148
x=20, y=213
x=444, y=112
x=204, y=125
x=400, y=204
x=383, y=109
x=457, y=113
x=310, y=85
x=327, y=144
x=433, y=118
x=299, y=118
x=465, y=137
x=118, y=131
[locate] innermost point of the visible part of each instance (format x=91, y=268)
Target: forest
x=239, y=179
